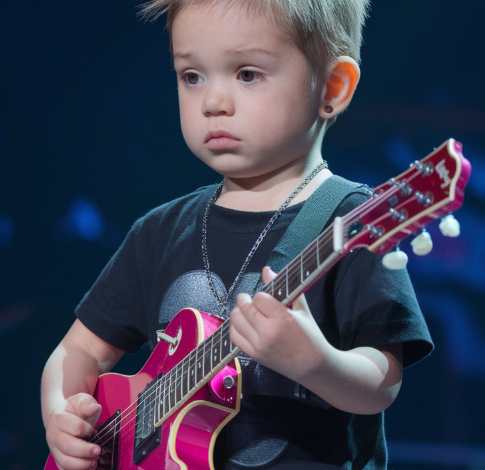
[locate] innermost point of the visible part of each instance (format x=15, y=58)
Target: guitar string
x=308, y=251
x=147, y=394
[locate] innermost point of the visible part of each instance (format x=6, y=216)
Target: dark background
x=90, y=141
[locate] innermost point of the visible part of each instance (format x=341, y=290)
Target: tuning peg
x=395, y=259
x=422, y=244
x=449, y=226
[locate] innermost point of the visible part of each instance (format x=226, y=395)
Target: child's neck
x=268, y=192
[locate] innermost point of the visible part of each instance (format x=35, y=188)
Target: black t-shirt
x=158, y=270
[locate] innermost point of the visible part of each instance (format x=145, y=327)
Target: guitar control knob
x=395, y=259
x=228, y=381
x=422, y=244
x=449, y=226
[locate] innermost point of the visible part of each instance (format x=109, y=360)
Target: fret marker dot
x=307, y=273
x=279, y=291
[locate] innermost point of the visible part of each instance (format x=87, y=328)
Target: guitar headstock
x=429, y=189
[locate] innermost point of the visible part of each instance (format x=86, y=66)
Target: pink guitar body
x=187, y=436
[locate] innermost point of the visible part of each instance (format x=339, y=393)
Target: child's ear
x=338, y=91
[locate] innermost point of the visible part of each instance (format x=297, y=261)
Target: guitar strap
x=313, y=218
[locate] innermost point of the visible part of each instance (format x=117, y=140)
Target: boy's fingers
x=74, y=463
x=76, y=447
x=268, y=274
x=71, y=425
x=243, y=299
x=74, y=453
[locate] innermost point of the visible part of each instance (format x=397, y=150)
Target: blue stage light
x=84, y=220
x=6, y=230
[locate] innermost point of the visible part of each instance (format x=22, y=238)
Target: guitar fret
x=324, y=253
x=302, y=276
x=309, y=262
x=199, y=363
x=166, y=396
x=207, y=360
x=226, y=346
x=157, y=401
x=216, y=348
x=318, y=251
x=286, y=280
x=293, y=277
x=178, y=384
x=192, y=369
x=185, y=376
x=162, y=397
x=171, y=393
x=279, y=288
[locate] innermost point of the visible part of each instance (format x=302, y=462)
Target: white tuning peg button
x=449, y=226
x=395, y=259
x=422, y=244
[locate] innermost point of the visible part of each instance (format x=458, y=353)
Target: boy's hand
x=285, y=340
x=67, y=429
x=363, y=380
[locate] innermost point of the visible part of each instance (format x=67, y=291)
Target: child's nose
x=217, y=102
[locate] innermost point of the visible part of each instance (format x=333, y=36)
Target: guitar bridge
x=147, y=435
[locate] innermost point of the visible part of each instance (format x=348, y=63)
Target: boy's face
x=246, y=106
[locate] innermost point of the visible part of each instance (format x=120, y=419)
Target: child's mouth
x=220, y=139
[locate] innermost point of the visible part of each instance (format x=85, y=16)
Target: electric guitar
x=168, y=415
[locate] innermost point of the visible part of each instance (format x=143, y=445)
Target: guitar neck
x=309, y=266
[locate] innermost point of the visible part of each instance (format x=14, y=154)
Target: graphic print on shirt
x=192, y=290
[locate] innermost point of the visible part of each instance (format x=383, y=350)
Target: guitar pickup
x=147, y=435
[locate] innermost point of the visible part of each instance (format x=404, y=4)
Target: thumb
x=91, y=411
x=87, y=408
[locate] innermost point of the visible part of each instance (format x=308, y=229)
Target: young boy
x=259, y=83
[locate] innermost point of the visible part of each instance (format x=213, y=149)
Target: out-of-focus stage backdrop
x=90, y=141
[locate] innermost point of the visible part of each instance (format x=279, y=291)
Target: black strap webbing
x=312, y=219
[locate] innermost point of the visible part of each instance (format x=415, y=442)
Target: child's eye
x=192, y=78
x=249, y=76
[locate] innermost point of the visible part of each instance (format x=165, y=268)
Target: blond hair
x=322, y=29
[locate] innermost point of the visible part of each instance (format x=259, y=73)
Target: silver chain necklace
x=223, y=302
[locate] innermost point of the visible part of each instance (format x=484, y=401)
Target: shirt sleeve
x=377, y=306
x=113, y=308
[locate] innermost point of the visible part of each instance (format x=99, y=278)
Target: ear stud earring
x=328, y=109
